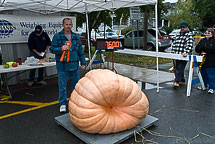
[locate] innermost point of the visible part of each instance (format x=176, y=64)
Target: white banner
x=16, y=29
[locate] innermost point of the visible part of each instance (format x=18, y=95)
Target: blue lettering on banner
x=24, y=33
x=51, y=32
x=31, y=25
x=55, y=25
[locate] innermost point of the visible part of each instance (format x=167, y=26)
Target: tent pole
x=88, y=37
x=156, y=27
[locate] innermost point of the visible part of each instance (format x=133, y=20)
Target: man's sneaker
x=30, y=83
x=182, y=83
x=62, y=108
x=210, y=91
x=42, y=82
x=175, y=84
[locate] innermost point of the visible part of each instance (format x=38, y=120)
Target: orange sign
x=115, y=44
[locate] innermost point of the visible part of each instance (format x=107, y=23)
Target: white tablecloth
x=25, y=67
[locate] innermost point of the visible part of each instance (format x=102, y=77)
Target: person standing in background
x=38, y=44
x=207, y=45
x=68, y=51
x=183, y=45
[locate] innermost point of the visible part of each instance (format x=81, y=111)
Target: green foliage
x=104, y=16
x=135, y=60
x=128, y=59
x=119, y=12
x=95, y=19
x=126, y=30
x=162, y=9
x=184, y=12
x=168, y=29
x=204, y=8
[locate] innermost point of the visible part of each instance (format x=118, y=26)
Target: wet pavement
x=29, y=117
x=143, y=74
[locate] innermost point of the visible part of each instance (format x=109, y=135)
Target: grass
x=129, y=59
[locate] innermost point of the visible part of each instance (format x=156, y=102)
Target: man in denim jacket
x=68, y=64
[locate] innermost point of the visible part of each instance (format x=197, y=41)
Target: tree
x=148, y=10
x=119, y=12
x=185, y=12
x=206, y=11
x=205, y=8
x=162, y=9
x=94, y=19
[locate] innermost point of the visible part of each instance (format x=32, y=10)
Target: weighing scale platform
x=65, y=122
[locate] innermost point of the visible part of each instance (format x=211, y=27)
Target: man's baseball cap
x=38, y=29
x=183, y=24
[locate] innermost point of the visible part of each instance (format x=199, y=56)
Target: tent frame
x=81, y=6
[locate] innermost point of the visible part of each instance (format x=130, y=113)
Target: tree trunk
x=146, y=15
x=90, y=28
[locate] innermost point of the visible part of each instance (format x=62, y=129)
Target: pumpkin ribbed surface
x=104, y=102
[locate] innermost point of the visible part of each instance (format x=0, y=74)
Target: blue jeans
x=62, y=84
x=204, y=76
x=32, y=72
x=211, y=77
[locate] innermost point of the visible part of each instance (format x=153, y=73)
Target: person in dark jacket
x=183, y=45
x=68, y=50
x=207, y=45
x=38, y=43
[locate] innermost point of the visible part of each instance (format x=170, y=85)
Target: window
x=129, y=34
x=152, y=32
x=110, y=34
x=162, y=32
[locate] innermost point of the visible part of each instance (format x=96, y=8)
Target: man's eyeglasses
x=183, y=27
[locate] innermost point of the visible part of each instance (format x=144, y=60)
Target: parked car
x=163, y=39
x=83, y=37
x=174, y=33
x=111, y=35
x=177, y=31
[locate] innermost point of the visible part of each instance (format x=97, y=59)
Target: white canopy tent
x=81, y=6
x=51, y=6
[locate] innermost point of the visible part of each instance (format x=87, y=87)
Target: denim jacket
x=76, y=51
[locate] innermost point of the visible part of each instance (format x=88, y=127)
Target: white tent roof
x=51, y=6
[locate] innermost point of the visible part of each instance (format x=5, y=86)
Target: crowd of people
x=183, y=44
x=67, y=47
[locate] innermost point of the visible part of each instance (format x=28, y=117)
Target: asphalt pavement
x=29, y=117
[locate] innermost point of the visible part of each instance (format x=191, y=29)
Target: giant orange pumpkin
x=104, y=102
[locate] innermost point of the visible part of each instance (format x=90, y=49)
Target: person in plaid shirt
x=182, y=44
